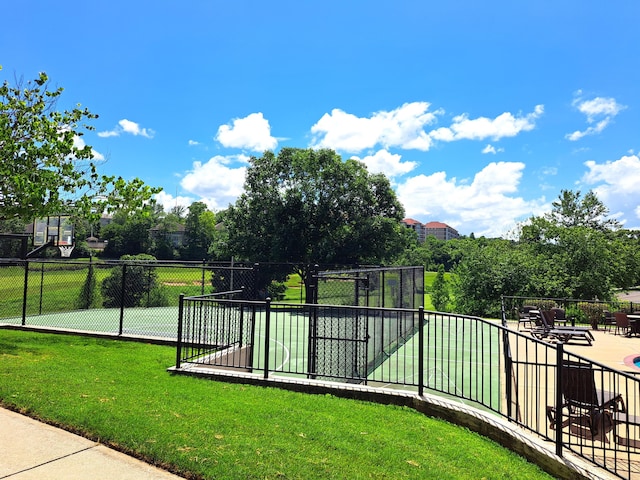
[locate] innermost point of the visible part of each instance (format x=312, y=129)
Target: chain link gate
x=350, y=342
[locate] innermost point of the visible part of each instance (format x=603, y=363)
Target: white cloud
x=251, y=133
x=616, y=184
x=491, y=149
x=127, y=126
x=504, y=125
x=79, y=143
x=193, y=143
x=218, y=182
x=168, y=201
x=598, y=110
x=487, y=206
x=598, y=107
x=402, y=127
x=389, y=164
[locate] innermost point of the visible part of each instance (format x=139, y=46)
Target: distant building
x=417, y=227
x=440, y=230
x=175, y=237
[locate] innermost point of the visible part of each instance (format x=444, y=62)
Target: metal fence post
x=204, y=266
x=421, y=351
x=41, y=288
x=267, y=328
x=123, y=292
x=24, y=292
x=559, y=356
x=180, y=319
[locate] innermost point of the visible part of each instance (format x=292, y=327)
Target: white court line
x=286, y=350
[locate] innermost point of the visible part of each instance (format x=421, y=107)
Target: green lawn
x=120, y=393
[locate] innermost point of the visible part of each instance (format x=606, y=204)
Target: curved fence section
x=575, y=404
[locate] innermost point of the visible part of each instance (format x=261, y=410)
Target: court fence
x=117, y=297
x=391, y=287
x=140, y=297
x=574, y=403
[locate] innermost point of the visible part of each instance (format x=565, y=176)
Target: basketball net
x=65, y=250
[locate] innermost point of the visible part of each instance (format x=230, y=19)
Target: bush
x=576, y=313
x=157, y=297
x=140, y=280
x=593, y=312
x=545, y=304
x=276, y=290
x=88, y=294
x=440, y=291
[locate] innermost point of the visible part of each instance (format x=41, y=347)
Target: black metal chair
x=525, y=316
x=608, y=320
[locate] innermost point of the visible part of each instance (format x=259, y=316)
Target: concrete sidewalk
x=33, y=450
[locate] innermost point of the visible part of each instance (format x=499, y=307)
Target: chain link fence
x=387, y=287
x=130, y=298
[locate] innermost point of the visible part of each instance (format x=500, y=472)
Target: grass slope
x=120, y=394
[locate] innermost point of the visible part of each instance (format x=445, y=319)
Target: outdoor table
x=634, y=323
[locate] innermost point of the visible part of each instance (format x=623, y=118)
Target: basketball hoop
x=65, y=250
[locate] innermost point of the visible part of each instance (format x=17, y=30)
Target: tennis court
x=160, y=322
x=461, y=354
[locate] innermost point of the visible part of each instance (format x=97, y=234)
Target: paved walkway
x=33, y=450
x=613, y=351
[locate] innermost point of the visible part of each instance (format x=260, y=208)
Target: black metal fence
x=135, y=298
x=366, y=345
x=577, y=404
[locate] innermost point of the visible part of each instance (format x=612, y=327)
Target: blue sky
x=478, y=112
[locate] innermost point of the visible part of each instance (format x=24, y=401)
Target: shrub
x=593, y=312
x=440, y=291
x=140, y=280
x=87, y=297
x=157, y=297
x=276, y=290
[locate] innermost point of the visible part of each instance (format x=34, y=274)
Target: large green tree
x=309, y=206
x=45, y=166
x=128, y=233
x=576, y=239
x=199, y=230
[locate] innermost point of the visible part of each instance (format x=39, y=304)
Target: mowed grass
x=120, y=394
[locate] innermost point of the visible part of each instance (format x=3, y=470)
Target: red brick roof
x=436, y=225
x=410, y=221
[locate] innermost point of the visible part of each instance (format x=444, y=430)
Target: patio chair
x=622, y=322
x=560, y=316
x=608, y=320
x=548, y=330
x=524, y=315
x=586, y=404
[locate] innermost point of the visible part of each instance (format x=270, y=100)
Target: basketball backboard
x=56, y=228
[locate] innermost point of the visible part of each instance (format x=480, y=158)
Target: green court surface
x=161, y=322
x=461, y=357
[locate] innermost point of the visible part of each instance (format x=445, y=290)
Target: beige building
x=440, y=230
